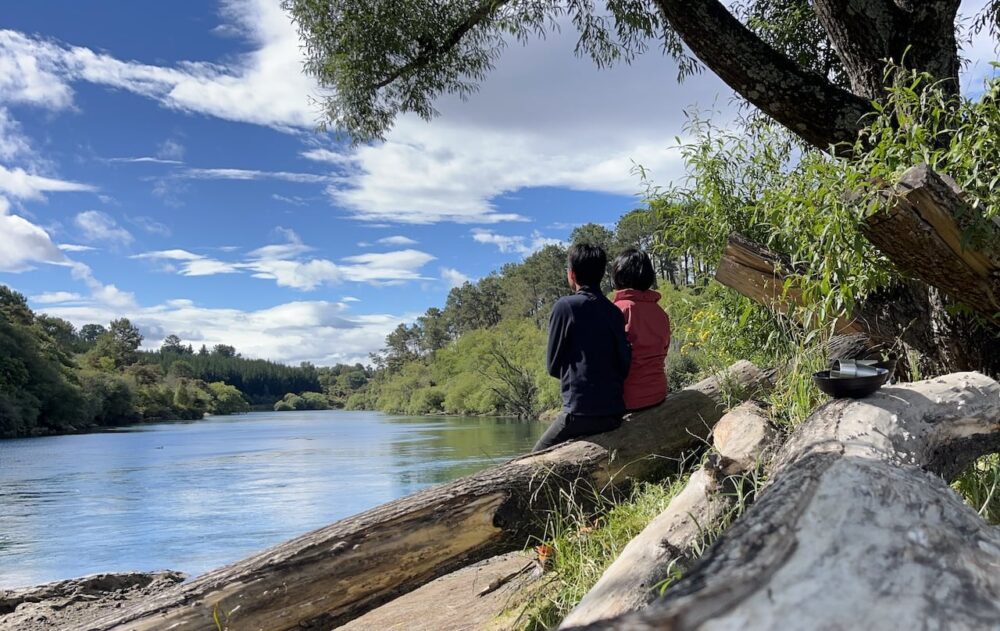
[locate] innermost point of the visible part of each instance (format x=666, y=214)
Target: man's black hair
x=633, y=270
x=587, y=262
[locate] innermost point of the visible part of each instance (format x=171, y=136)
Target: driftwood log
x=858, y=528
x=741, y=440
x=331, y=575
x=925, y=233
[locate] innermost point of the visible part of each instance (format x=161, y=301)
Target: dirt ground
x=65, y=604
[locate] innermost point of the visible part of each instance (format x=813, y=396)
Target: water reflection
x=192, y=496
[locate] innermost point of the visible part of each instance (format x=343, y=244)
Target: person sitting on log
x=587, y=351
x=647, y=327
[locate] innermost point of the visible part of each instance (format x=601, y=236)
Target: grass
x=980, y=486
x=585, y=547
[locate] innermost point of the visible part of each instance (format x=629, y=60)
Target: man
x=587, y=351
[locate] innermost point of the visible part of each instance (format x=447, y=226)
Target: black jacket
x=589, y=353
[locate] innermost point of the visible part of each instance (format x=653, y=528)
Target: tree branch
x=804, y=102
x=429, y=53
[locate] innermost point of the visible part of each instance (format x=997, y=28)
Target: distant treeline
x=260, y=381
x=57, y=379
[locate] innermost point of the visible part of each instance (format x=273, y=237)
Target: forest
x=56, y=379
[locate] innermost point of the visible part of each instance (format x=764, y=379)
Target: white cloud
x=98, y=226
x=265, y=86
x=54, y=297
x=190, y=264
x=23, y=243
x=151, y=225
x=330, y=157
x=72, y=247
x=13, y=143
x=29, y=72
x=148, y=159
x=294, y=200
x=453, y=277
x=251, y=174
x=283, y=263
x=514, y=243
x=396, y=240
x=170, y=150
x=375, y=268
x=346, y=299
x=17, y=182
x=292, y=247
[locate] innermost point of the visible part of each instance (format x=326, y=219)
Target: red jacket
x=648, y=330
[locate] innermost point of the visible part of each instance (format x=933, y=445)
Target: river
x=192, y=496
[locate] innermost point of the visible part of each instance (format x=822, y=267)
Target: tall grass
x=980, y=486
x=584, y=546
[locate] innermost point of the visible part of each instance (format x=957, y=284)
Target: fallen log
x=332, y=575
x=669, y=542
x=925, y=233
x=857, y=528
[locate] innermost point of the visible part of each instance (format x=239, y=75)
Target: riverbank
x=75, y=602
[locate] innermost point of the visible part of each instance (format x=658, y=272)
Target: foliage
x=585, y=547
x=980, y=486
x=262, y=382
x=381, y=58
x=303, y=401
x=226, y=399
x=55, y=380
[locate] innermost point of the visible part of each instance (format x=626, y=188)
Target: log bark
x=334, y=574
x=858, y=527
x=669, y=542
x=922, y=233
x=907, y=315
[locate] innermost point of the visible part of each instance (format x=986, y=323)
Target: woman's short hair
x=633, y=270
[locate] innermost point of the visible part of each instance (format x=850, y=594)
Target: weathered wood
x=741, y=439
x=923, y=233
x=857, y=528
x=760, y=274
x=909, y=315
x=336, y=573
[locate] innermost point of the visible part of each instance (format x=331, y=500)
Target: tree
x=594, y=234
x=172, y=344
x=62, y=332
x=433, y=330
x=224, y=350
x=181, y=370
x=531, y=287
x=226, y=399
x=90, y=332
x=120, y=344
x=401, y=346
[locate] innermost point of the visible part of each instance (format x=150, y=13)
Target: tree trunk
x=856, y=528
x=867, y=33
x=334, y=574
x=670, y=542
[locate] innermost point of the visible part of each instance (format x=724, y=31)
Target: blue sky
x=161, y=161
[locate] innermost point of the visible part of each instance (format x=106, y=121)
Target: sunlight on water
x=193, y=496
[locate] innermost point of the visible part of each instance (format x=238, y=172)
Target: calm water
x=193, y=496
